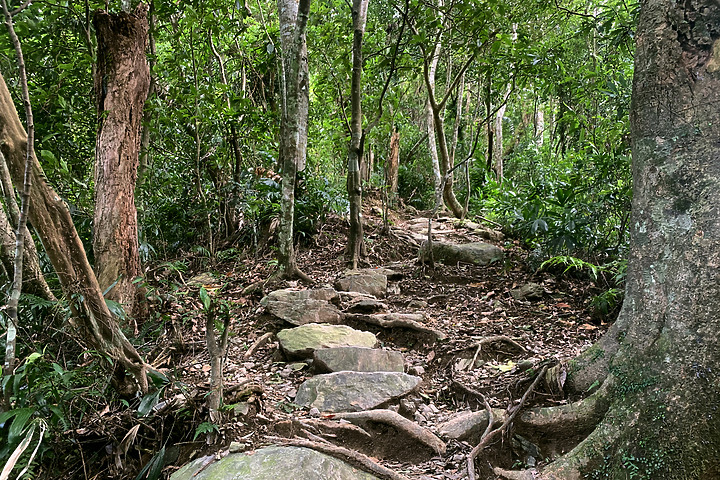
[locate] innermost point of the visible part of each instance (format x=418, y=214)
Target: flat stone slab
x=365, y=281
x=354, y=391
x=299, y=307
x=272, y=463
x=301, y=342
x=477, y=253
x=357, y=359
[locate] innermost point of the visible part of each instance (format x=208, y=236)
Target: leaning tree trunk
x=51, y=218
x=33, y=279
x=662, y=357
x=293, y=124
x=122, y=82
x=355, y=152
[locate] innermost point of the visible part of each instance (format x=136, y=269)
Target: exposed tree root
x=565, y=419
x=351, y=456
x=592, y=366
x=258, y=343
x=397, y=421
x=490, y=434
x=397, y=320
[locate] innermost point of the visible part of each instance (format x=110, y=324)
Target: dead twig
x=489, y=435
x=344, y=454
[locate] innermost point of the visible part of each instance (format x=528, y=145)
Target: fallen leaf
x=587, y=326
x=562, y=305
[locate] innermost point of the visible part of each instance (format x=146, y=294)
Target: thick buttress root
x=568, y=421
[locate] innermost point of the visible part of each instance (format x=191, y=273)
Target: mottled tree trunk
x=122, y=82
x=392, y=165
x=661, y=357
x=293, y=124
x=51, y=219
x=355, y=152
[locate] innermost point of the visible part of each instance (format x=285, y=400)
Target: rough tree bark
x=392, y=166
x=33, y=280
x=661, y=356
x=51, y=218
x=122, y=82
x=293, y=125
x=355, y=151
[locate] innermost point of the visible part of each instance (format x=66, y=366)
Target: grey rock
x=477, y=253
x=365, y=281
x=528, y=291
x=272, y=463
x=301, y=342
x=357, y=359
x=354, y=391
x=299, y=307
x=289, y=294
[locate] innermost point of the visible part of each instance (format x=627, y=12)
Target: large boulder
x=301, y=342
x=354, y=391
x=299, y=307
x=477, y=253
x=357, y=359
x=368, y=281
x=272, y=463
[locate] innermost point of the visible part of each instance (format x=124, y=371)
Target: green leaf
x=148, y=402
x=205, y=427
x=205, y=298
x=22, y=416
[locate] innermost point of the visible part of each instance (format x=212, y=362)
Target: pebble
x=314, y=412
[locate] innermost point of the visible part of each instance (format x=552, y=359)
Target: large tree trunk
x=293, y=125
x=662, y=357
x=122, y=82
x=51, y=218
x=33, y=280
x=355, y=152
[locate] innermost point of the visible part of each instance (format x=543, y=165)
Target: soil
x=467, y=303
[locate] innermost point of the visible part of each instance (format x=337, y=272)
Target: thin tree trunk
x=293, y=126
x=51, y=218
x=432, y=144
x=355, y=152
x=458, y=119
x=539, y=124
x=21, y=233
x=392, y=165
x=122, y=82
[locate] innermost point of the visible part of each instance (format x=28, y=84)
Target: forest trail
x=414, y=348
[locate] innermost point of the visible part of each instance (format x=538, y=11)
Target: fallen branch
x=397, y=320
x=412, y=429
x=489, y=435
x=258, y=343
x=344, y=454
